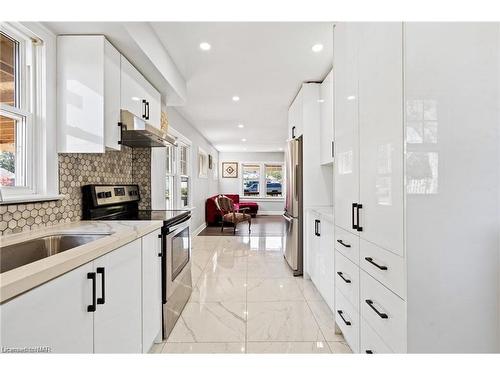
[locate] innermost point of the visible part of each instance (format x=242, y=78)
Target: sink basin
x=22, y=253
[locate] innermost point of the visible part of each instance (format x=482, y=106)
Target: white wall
x=234, y=185
x=201, y=188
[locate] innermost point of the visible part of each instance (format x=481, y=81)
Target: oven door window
x=180, y=251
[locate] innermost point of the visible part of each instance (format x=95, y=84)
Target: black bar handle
x=382, y=315
x=293, y=131
x=354, y=205
x=144, y=108
x=91, y=276
x=343, y=244
x=340, y=312
x=370, y=260
x=333, y=149
x=160, y=254
x=369, y=351
x=341, y=274
x=359, y=227
x=101, y=300
x=317, y=224
x=147, y=109
x=121, y=133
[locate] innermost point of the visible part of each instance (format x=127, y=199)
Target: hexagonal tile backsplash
x=75, y=170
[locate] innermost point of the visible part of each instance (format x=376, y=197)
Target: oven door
x=176, y=256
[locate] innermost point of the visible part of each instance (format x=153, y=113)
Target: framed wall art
x=229, y=169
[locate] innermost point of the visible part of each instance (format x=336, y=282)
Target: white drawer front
x=347, y=318
x=347, y=243
x=347, y=278
x=384, y=311
x=383, y=265
x=370, y=342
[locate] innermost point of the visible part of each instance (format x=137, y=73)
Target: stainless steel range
x=121, y=202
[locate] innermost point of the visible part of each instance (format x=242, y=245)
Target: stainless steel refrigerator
x=293, y=206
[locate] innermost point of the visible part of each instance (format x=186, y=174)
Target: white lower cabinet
x=151, y=290
x=118, y=318
x=347, y=319
x=370, y=342
x=347, y=278
x=53, y=315
x=109, y=305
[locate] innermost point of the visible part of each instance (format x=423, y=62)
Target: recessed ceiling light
x=317, y=47
x=351, y=97
x=321, y=100
x=204, y=46
x=281, y=148
x=236, y=98
x=243, y=139
x=241, y=126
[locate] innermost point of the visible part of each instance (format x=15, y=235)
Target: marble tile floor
x=246, y=300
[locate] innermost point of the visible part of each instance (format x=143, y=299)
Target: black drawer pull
x=343, y=244
x=370, y=260
x=343, y=278
x=317, y=227
x=91, y=276
x=340, y=312
x=369, y=351
x=147, y=109
x=358, y=227
x=382, y=315
x=354, y=205
x=101, y=300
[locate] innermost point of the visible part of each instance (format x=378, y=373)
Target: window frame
x=262, y=181
x=38, y=108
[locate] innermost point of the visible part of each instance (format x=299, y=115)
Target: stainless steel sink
x=22, y=253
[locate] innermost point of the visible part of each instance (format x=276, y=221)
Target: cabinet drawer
x=347, y=278
x=384, y=266
x=347, y=244
x=347, y=318
x=384, y=311
x=370, y=342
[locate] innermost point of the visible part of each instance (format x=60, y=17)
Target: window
x=184, y=175
x=251, y=179
x=274, y=180
x=16, y=112
x=170, y=178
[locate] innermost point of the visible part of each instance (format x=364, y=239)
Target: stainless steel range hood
x=136, y=132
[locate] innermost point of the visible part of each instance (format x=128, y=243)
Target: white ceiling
x=262, y=63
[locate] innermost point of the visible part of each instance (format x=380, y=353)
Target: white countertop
x=325, y=212
x=22, y=279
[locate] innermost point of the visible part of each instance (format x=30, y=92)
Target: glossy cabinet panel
x=112, y=132
x=133, y=92
x=346, y=166
x=381, y=132
x=326, y=111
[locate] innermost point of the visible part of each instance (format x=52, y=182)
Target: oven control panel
x=113, y=194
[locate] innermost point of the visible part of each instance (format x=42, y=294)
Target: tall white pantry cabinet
x=417, y=186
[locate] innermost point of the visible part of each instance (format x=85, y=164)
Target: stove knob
x=101, y=195
x=108, y=194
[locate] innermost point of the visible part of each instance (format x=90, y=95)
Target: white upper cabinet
x=88, y=94
x=138, y=95
x=53, y=315
x=346, y=166
x=295, y=117
x=326, y=105
x=380, y=67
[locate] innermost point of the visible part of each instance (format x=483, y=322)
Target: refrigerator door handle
x=287, y=218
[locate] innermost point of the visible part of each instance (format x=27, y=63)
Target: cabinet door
x=53, y=315
x=346, y=124
x=151, y=290
x=295, y=116
x=311, y=246
x=133, y=94
x=326, y=101
x=326, y=266
x=381, y=133
x=111, y=96
x=154, y=105
x=118, y=321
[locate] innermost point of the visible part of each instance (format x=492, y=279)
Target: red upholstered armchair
x=212, y=215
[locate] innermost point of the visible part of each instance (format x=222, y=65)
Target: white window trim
x=262, y=181
x=181, y=139
x=44, y=160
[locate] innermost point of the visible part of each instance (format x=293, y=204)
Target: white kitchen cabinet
x=53, y=315
x=380, y=66
x=326, y=130
x=151, y=290
x=138, y=95
x=321, y=255
x=88, y=94
x=346, y=166
x=118, y=320
x=295, y=120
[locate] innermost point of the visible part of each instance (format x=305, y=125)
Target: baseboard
x=199, y=229
x=264, y=213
